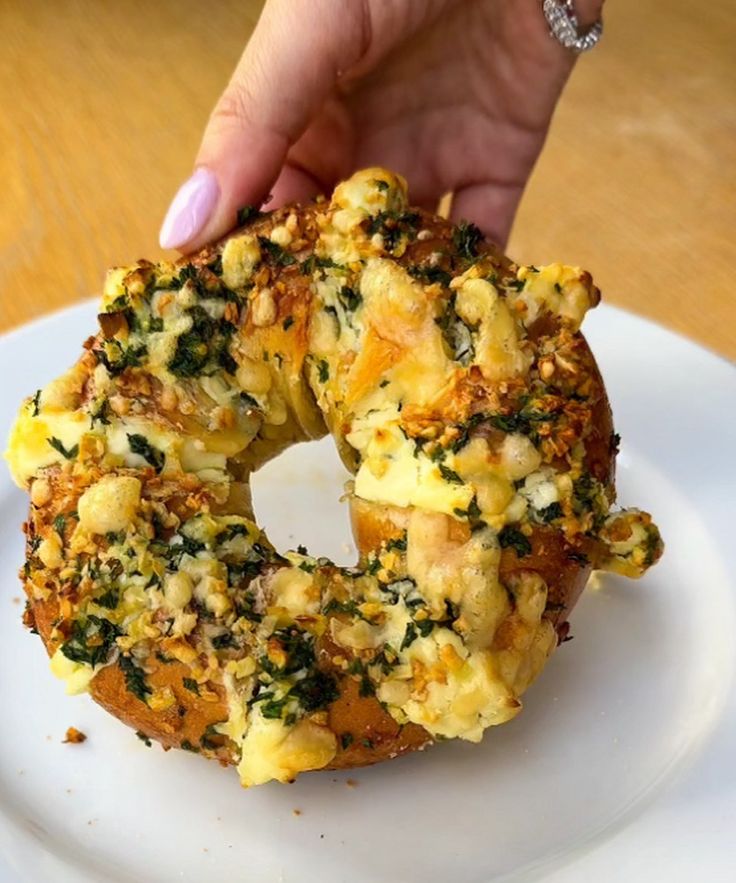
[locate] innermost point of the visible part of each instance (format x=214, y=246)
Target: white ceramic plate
x=621, y=767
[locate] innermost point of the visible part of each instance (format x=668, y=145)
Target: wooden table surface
x=104, y=103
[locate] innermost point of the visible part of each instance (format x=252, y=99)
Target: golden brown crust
x=366, y=733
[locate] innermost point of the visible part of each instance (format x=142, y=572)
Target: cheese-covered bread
x=465, y=403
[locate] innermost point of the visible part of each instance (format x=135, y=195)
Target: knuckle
x=232, y=110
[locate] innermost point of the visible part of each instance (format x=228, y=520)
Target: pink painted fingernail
x=190, y=209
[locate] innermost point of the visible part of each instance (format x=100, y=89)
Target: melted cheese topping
x=392, y=471
x=498, y=351
x=556, y=289
x=29, y=450
x=76, y=675
x=274, y=751
x=430, y=381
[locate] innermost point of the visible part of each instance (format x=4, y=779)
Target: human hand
x=456, y=95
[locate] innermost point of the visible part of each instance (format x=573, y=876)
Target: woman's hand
x=456, y=95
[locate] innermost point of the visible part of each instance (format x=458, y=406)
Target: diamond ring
x=563, y=26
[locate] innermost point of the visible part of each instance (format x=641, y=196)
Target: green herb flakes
x=140, y=445
x=248, y=213
x=68, y=453
x=135, y=678
x=449, y=474
x=91, y=641
x=276, y=253
x=466, y=238
x=512, y=538
x=191, y=685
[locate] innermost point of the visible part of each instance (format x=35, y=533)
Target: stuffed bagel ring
x=464, y=402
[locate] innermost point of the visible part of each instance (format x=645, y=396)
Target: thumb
x=289, y=67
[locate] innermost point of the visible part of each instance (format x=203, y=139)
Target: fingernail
x=190, y=209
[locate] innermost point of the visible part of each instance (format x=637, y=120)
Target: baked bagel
x=464, y=402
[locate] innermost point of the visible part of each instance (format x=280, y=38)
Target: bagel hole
x=296, y=500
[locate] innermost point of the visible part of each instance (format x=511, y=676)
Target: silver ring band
x=563, y=26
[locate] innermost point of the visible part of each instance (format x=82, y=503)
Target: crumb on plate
x=75, y=736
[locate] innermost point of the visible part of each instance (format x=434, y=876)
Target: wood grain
x=104, y=104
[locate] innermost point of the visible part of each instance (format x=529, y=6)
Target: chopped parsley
x=140, y=445
x=457, y=335
x=466, y=238
x=515, y=284
x=323, y=371
x=652, y=545
x=349, y=298
x=512, y=538
x=174, y=552
x=222, y=641
x=117, y=359
x=367, y=687
x=524, y=421
x=232, y=531
x=350, y=607
x=449, y=474
x=398, y=543
x=466, y=429
x=584, y=493
x=313, y=263
x=472, y=513
x=275, y=252
x=410, y=635
x=35, y=402
x=315, y=691
x=91, y=641
x=135, y=678
x=109, y=599
x=204, y=348
x=191, y=685
x=271, y=708
x=551, y=512
x=100, y=412
x=67, y=453
x=248, y=213
x=188, y=273
x=431, y=275
x=211, y=740
x=392, y=225
x=298, y=648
